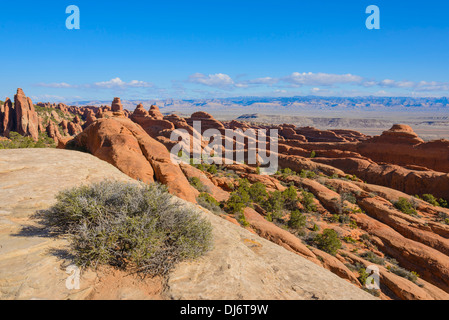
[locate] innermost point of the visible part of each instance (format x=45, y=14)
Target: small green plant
x=208, y=202
x=353, y=224
x=349, y=239
x=313, y=154
x=370, y=256
x=434, y=201
x=290, y=196
x=412, y=276
x=308, y=201
x=307, y=174
x=297, y=220
x=363, y=275
x=258, y=192
x=328, y=241
x=197, y=184
x=405, y=206
x=137, y=227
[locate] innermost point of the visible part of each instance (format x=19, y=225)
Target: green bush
x=409, y=275
x=290, y=196
x=434, y=201
x=274, y=204
x=258, y=192
x=372, y=257
x=308, y=201
x=328, y=241
x=363, y=275
x=131, y=226
x=208, y=202
x=197, y=184
x=405, y=206
x=313, y=154
x=297, y=220
x=307, y=174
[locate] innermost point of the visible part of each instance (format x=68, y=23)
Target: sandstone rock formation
x=124, y=144
x=241, y=266
x=26, y=117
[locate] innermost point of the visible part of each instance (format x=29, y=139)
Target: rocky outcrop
x=126, y=145
x=401, y=145
x=207, y=121
x=216, y=192
x=432, y=265
x=26, y=117
x=155, y=113
x=393, y=176
x=117, y=105
x=53, y=132
x=241, y=265
x=7, y=118
x=151, y=122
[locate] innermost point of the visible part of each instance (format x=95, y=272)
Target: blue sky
x=212, y=48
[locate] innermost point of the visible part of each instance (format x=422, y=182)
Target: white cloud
x=55, y=85
x=118, y=83
x=115, y=83
x=321, y=79
x=218, y=80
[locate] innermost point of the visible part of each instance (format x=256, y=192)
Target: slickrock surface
x=241, y=265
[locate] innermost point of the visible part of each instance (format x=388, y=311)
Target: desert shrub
x=290, y=196
x=349, y=239
x=286, y=172
x=372, y=257
x=197, y=184
x=328, y=241
x=443, y=203
x=297, y=220
x=434, y=201
x=349, y=197
x=353, y=224
x=409, y=275
x=334, y=218
x=363, y=275
x=430, y=199
x=17, y=141
x=274, y=203
x=307, y=174
x=405, y=206
x=239, y=199
x=131, y=226
x=308, y=201
x=313, y=154
x=258, y=192
x=344, y=219
x=208, y=202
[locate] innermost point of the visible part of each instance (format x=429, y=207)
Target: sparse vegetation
x=405, y=206
x=372, y=257
x=297, y=220
x=410, y=275
x=434, y=201
x=140, y=228
x=197, y=184
x=308, y=201
x=328, y=241
x=18, y=141
x=208, y=202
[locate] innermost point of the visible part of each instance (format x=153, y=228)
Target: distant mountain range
x=286, y=105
